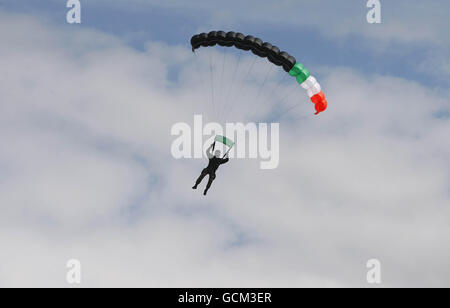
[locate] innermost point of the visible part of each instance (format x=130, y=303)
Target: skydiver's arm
x=209, y=152
x=224, y=161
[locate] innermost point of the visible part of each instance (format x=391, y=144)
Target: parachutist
x=214, y=162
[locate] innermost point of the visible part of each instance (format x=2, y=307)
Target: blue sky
x=86, y=170
x=139, y=21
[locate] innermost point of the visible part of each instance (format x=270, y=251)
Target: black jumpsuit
x=213, y=164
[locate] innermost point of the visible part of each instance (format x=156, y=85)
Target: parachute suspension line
x=245, y=77
x=233, y=78
x=204, y=88
x=280, y=115
x=264, y=82
x=281, y=103
x=221, y=76
x=268, y=98
x=251, y=110
x=222, y=87
x=212, y=82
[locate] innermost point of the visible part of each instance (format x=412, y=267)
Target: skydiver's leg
x=212, y=176
x=200, y=178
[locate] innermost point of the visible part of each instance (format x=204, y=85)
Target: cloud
x=400, y=21
x=86, y=172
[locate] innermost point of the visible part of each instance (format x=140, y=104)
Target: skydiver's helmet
x=217, y=153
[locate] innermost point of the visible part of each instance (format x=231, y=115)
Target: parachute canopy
x=269, y=51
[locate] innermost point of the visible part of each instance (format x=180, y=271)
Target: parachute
x=272, y=53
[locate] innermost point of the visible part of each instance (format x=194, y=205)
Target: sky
x=86, y=170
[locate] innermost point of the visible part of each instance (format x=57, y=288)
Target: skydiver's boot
x=194, y=187
x=205, y=192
